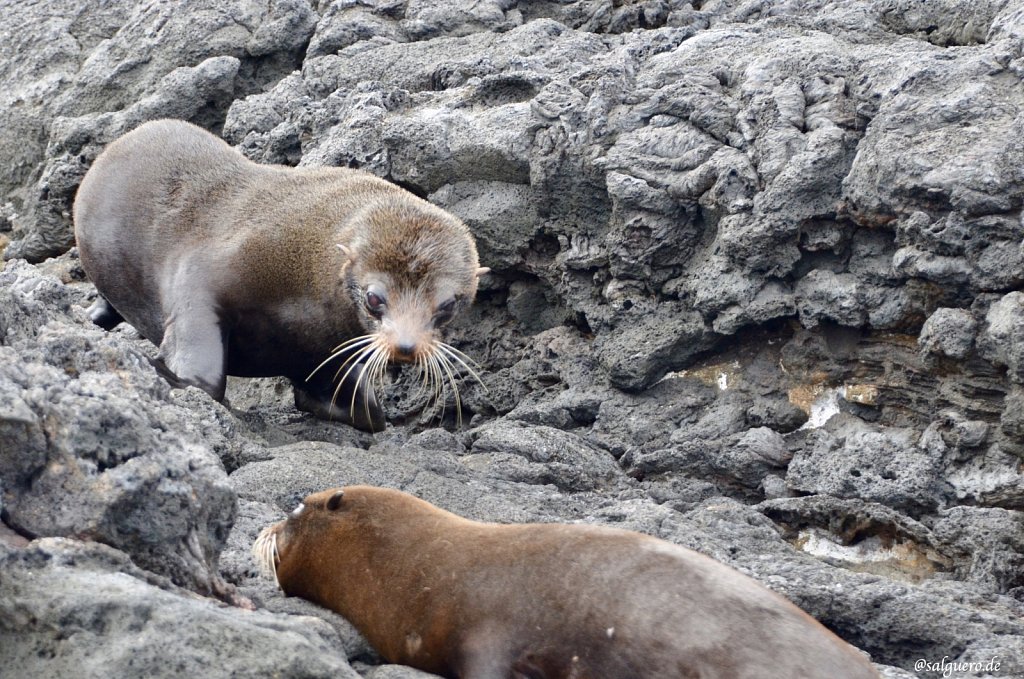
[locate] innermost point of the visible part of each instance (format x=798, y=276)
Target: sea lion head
x=412, y=269
x=409, y=268
x=285, y=551
x=279, y=541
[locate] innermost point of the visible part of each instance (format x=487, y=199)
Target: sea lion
x=235, y=268
x=474, y=600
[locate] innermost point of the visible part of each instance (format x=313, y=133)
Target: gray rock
x=98, y=449
x=823, y=295
x=58, y=39
x=501, y=215
x=948, y=332
x=1002, y=339
x=394, y=672
x=68, y=607
x=535, y=454
x=990, y=542
x=1011, y=423
x=651, y=343
x=848, y=458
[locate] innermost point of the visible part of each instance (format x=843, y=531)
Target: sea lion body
x=231, y=267
x=541, y=601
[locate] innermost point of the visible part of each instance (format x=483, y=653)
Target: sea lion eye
x=444, y=312
x=375, y=303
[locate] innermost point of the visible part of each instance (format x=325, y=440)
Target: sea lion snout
x=405, y=350
x=407, y=332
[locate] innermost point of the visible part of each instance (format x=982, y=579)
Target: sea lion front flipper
x=193, y=348
x=330, y=401
x=103, y=314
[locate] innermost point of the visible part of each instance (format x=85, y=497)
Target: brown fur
x=484, y=601
x=234, y=268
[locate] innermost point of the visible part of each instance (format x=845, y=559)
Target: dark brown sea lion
x=235, y=268
x=539, y=601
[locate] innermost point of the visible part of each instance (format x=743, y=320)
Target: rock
x=1002, y=339
x=989, y=541
x=948, y=332
x=655, y=343
x=848, y=458
x=395, y=672
x=100, y=451
x=86, y=609
x=823, y=295
x=534, y=454
x=861, y=536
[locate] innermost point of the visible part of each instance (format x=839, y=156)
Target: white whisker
x=448, y=350
x=265, y=552
x=337, y=351
x=465, y=357
x=359, y=338
x=447, y=365
x=365, y=375
x=356, y=358
x=374, y=372
x=438, y=382
x=421, y=366
x=365, y=351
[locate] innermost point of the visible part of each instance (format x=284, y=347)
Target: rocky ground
x=758, y=289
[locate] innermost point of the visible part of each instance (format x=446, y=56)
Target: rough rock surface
x=758, y=289
x=84, y=596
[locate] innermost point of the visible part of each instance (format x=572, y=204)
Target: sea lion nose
x=405, y=349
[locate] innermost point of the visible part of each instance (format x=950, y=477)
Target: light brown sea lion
x=235, y=268
x=540, y=601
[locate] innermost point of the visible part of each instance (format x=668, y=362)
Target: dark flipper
x=104, y=315
x=364, y=413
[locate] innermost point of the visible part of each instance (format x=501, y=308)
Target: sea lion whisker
x=365, y=351
x=355, y=389
x=356, y=356
x=449, y=351
x=266, y=554
x=438, y=381
x=338, y=351
x=378, y=352
x=380, y=369
x=424, y=385
x=354, y=360
x=359, y=338
x=375, y=372
x=448, y=366
x=468, y=359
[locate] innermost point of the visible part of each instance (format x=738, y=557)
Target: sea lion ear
x=483, y=271
x=335, y=500
x=347, y=251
